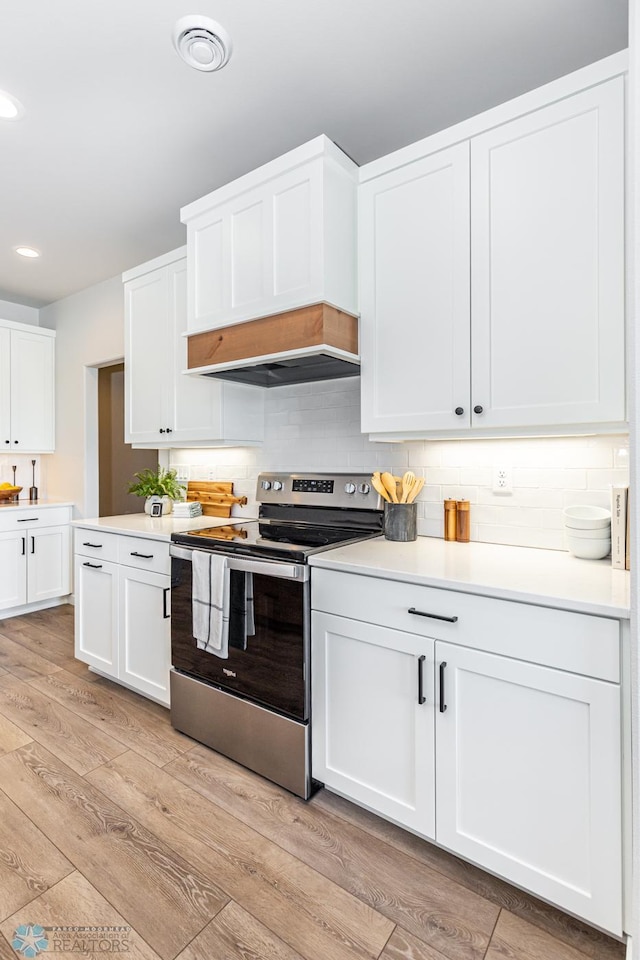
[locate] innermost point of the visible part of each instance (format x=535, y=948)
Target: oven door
x=269, y=644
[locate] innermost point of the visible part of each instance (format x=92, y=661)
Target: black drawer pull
x=33, y=544
x=165, y=594
x=144, y=556
x=94, y=566
x=443, y=705
x=421, y=696
x=24, y=546
x=96, y=546
x=431, y=616
x=28, y=520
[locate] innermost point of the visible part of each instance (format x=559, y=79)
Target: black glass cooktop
x=273, y=538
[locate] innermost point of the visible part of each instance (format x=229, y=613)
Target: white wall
x=317, y=427
x=19, y=313
x=633, y=313
x=89, y=333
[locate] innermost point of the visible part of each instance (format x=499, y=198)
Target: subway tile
x=444, y=475
x=603, y=479
x=476, y=476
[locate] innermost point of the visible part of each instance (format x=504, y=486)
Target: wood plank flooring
x=110, y=819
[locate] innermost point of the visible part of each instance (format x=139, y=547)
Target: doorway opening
x=117, y=460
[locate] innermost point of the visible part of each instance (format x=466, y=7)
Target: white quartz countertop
x=156, y=528
x=32, y=504
x=552, y=578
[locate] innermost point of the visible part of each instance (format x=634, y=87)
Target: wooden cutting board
x=216, y=497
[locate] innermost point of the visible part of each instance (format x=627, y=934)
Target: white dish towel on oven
x=210, y=602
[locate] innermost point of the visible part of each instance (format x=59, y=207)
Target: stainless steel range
x=251, y=700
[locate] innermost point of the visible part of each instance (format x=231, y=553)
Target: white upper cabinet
x=281, y=237
x=163, y=405
x=414, y=295
x=27, y=398
x=492, y=272
x=547, y=234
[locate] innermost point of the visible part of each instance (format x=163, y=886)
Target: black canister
x=401, y=521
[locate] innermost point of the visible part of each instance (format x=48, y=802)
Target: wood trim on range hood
x=315, y=326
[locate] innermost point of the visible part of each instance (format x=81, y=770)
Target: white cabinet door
x=547, y=220
x=48, y=573
x=196, y=402
x=148, y=352
x=144, y=630
x=96, y=614
x=32, y=393
x=414, y=295
x=5, y=390
x=372, y=739
x=13, y=566
x=528, y=778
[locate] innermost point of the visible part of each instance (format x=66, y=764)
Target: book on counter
x=619, y=527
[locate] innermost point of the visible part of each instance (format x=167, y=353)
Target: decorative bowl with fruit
x=8, y=491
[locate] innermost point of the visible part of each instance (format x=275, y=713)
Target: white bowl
x=602, y=533
x=586, y=517
x=588, y=549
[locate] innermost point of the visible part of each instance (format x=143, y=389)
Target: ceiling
x=119, y=133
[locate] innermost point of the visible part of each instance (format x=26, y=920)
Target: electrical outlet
x=211, y=475
x=182, y=474
x=502, y=480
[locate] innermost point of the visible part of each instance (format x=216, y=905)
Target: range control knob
x=266, y=484
x=277, y=485
x=349, y=488
x=364, y=488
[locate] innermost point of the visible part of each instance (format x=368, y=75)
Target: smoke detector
x=202, y=43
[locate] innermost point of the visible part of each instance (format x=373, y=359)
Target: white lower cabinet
x=511, y=762
x=529, y=780
x=34, y=557
x=96, y=614
x=123, y=608
x=373, y=718
x=144, y=634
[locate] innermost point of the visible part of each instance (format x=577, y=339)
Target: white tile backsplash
x=317, y=427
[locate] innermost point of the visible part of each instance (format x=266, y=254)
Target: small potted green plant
x=157, y=486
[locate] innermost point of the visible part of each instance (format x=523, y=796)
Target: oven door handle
x=268, y=568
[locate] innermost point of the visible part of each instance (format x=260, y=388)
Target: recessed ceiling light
x=10, y=108
x=28, y=252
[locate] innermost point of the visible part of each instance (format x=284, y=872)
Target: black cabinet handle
x=33, y=544
x=165, y=593
x=421, y=696
x=15, y=441
x=459, y=411
x=431, y=616
x=94, y=566
x=443, y=705
x=478, y=409
x=7, y=441
x=144, y=556
x=24, y=546
x=28, y=520
x=96, y=546
x=168, y=430
x=161, y=430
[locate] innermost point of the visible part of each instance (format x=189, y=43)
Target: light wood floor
x=110, y=817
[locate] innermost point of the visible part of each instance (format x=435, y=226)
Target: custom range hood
x=318, y=342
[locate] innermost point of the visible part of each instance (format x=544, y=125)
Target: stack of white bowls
x=588, y=531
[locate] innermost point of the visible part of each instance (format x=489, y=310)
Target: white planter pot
x=167, y=504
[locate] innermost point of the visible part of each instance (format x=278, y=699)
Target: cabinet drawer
x=144, y=554
x=17, y=518
x=555, y=638
x=93, y=543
